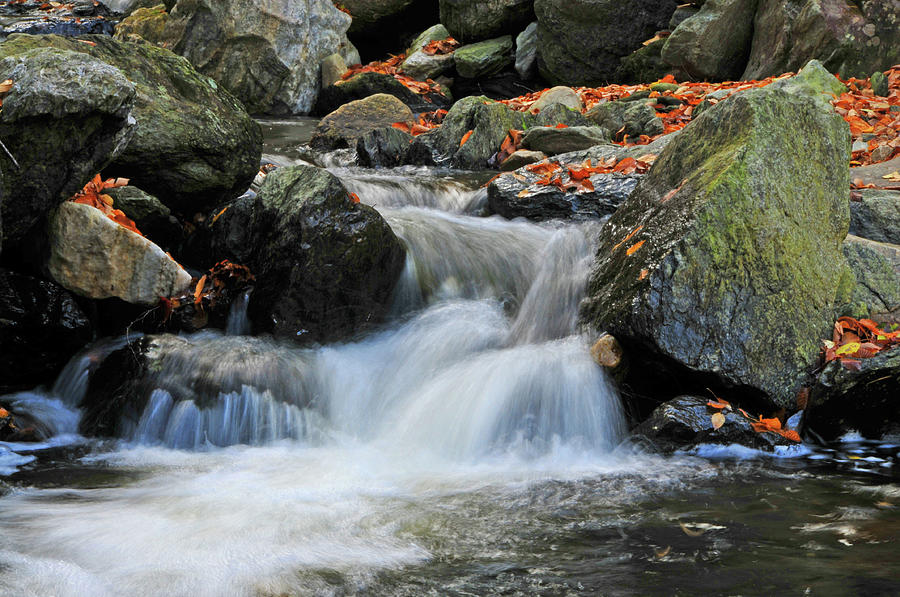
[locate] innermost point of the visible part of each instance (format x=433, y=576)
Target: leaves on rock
x=854, y=339
x=92, y=194
x=441, y=46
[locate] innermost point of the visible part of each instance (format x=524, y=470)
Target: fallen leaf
x=893, y=176
x=465, y=138
x=661, y=553
x=718, y=419
x=633, y=248
x=690, y=532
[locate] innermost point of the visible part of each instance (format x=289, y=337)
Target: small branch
x=18, y=167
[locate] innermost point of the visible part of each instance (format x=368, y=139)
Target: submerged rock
x=713, y=265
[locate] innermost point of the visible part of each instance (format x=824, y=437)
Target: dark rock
x=365, y=84
x=484, y=58
x=526, y=52
x=636, y=117
x=685, y=422
x=402, y=18
x=41, y=327
x=63, y=104
x=344, y=126
x=559, y=114
x=701, y=266
x=152, y=218
x=876, y=216
x=582, y=42
x=880, y=84
x=474, y=20
x=552, y=140
x=644, y=65
x=386, y=147
x=876, y=291
x=865, y=401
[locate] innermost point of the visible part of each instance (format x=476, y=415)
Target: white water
x=259, y=464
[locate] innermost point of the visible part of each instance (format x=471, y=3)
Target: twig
x=18, y=167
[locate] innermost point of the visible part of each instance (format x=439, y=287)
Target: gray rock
x=552, y=140
x=526, y=52
x=682, y=13
x=876, y=216
x=385, y=147
x=644, y=65
x=636, y=117
x=521, y=157
x=876, y=292
x=474, y=20
x=558, y=95
x=421, y=66
x=433, y=33
x=484, y=58
x=333, y=67
x=559, y=114
x=351, y=121
x=93, y=256
x=365, y=84
x=152, y=218
x=66, y=116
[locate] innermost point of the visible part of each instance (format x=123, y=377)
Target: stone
x=559, y=114
x=65, y=118
x=582, y=42
x=385, y=147
x=526, y=52
x=41, y=327
x=365, y=84
x=880, y=84
x=637, y=118
x=876, y=292
x=434, y=33
x=127, y=7
x=711, y=267
x=484, y=58
x=148, y=23
x=714, y=44
x=422, y=66
x=863, y=401
x=150, y=215
x=644, y=65
x=558, y=95
x=682, y=13
x=93, y=256
x=348, y=123
x=368, y=14
x=607, y=352
x=876, y=215
x=475, y=20
x=333, y=68
x=519, y=158
x=193, y=146
x=552, y=140
x=853, y=39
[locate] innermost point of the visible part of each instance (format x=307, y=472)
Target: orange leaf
x=199, y=289
x=466, y=138
x=633, y=248
x=354, y=198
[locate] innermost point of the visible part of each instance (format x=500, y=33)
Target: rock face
x=850, y=38
x=93, y=256
x=473, y=20
x=63, y=104
x=582, y=42
x=325, y=267
x=484, y=58
x=266, y=52
x=876, y=215
x=876, y=292
x=714, y=44
x=351, y=121
x=41, y=327
x=712, y=263
x=193, y=145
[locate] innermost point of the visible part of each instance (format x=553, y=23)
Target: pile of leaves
x=873, y=120
x=440, y=47
x=92, y=194
x=391, y=67
x=759, y=424
x=213, y=293
x=425, y=122
x=855, y=339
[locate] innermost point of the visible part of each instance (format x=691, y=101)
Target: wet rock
x=484, y=58
x=853, y=39
x=685, y=422
x=93, y=256
x=194, y=145
x=637, y=118
x=875, y=292
x=41, y=327
x=351, y=121
x=552, y=140
x=386, y=147
x=843, y=400
x=582, y=42
x=701, y=266
x=607, y=352
x=714, y=44
x=63, y=104
x=325, y=267
x=67, y=19
x=876, y=215
x=152, y=218
x=521, y=157
x=365, y=84
x=526, y=52
x=474, y=20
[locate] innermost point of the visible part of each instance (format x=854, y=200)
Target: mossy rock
x=148, y=23
x=714, y=265
x=484, y=58
x=875, y=288
x=365, y=84
x=644, y=65
x=344, y=126
x=635, y=117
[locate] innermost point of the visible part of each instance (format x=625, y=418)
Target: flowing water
x=468, y=447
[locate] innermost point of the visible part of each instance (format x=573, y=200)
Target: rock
x=149, y=23
x=41, y=327
x=681, y=14
x=880, y=84
x=815, y=82
x=365, y=84
x=93, y=256
x=153, y=219
x=559, y=114
x=194, y=146
x=549, y=202
x=712, y=266
x=325, y=267
x=876, y=293
x=367, y=14
x=521, y=157
x=434, y=33
x=876, y=215
x=607, y=352
x=267, y=55
x=864, y=401
x=386, y=147
x=643, y=65
x=526, y=52
x=351, y=121
x=558, y=95
x=71, y=108
x=853, y=39
x=874, y=173
x=484, y=58
x=127, y=7
x=582, y=42
x=714, y=44
x=422, y=66
x=552, y=140
x=636, y=117
x=333, y=67
x=474, y=20
x=685, y=422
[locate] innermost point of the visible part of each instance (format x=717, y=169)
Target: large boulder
x=875, y=216
x=850, y=38
x=66, y=116
x=343, y=127
x=474, y=20
x=325, y=266
x=714, y=44
x=93, y=256
x=582, y=42
x=713, y=268
x=194, y=145
x=41, y=327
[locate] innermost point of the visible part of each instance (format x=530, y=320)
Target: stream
x=470, y=446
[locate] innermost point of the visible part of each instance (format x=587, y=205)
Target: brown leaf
x=718, y=419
